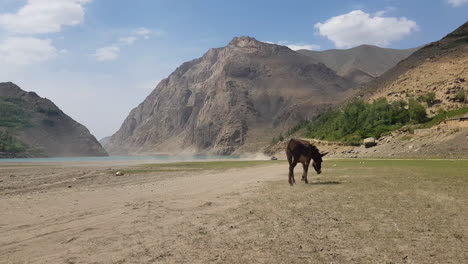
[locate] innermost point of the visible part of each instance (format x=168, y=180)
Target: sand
x=81, y=213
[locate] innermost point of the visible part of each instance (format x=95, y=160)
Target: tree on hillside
x=417, y=112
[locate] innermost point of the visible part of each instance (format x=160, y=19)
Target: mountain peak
x=9, y=89
x=245, y=42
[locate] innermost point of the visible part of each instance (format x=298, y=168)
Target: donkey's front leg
x=305, y=165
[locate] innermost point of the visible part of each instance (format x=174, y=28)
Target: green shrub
x=10, y=144
x=12, y=114
x=417, y=112
x=429, y=99
x=460, y=95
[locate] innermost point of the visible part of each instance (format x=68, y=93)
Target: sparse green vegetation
x=12, y=114
x=10, y=144
x=194, y=166
x=429, y=99
x=48, y=111
x=461, y=95
x=442, y=115
x=277, y=139
x=297, y=128
x=359, y=120
x=370, y=205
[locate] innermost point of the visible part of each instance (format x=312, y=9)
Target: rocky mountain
x=361, y=64
x=31, y=126
x=440, y=68
x=232, y=99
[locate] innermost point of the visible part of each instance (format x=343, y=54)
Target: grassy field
x=357, y=211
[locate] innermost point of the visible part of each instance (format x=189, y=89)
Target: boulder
x=369, y=142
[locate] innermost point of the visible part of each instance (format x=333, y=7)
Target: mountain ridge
x=38, y=126
x=362, y=63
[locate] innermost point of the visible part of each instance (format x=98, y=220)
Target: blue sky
x=98, y=59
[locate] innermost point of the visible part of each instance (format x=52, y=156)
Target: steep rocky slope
x=37, y=127
x=230, y=100
x=440, y=67
x=360, y=64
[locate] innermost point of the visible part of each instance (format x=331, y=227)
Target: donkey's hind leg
x=292, y=165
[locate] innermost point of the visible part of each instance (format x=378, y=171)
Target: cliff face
x=37, y=127
x=232, y=99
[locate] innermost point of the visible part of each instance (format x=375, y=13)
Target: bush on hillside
x=417, y=112
x=12, y=114
x=460, y=95
x=9, y=144
x=429, y=99
x=359, y=120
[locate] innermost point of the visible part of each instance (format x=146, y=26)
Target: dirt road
x=72, y=214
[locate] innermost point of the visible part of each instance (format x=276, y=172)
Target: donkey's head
x=317, y=164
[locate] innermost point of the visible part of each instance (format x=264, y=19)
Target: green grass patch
x=194, y=166
x=439, y=118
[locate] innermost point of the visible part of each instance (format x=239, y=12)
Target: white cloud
x=112, y=52
x=456, y=3
x=128, y=40
x=142, y=32
x=296, y=46
x=44, y=16
x=357, y=27
x=26, y=50
x=299, y=46
x=107, y=53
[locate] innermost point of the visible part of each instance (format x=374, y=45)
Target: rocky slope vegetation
x=232, y=99
x=361, y=64
x=440, y=68
x=31, y=126
x=437, y=76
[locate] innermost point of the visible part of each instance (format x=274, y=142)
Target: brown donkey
x=302, y=151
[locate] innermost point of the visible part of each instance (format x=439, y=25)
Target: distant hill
x=105, y=140
x=360, y=64
x=31, y=126
x=232, y=99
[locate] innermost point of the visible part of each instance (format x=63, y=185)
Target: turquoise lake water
x=159, y=158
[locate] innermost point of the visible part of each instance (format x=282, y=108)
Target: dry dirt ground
x=357, y=211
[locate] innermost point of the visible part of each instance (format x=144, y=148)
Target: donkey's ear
x=323, y=154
